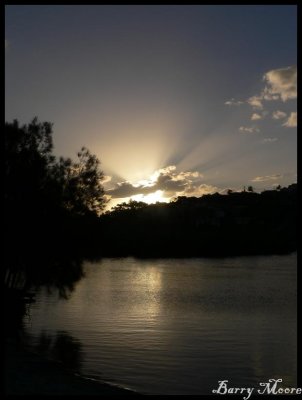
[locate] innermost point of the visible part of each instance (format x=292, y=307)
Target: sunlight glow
x=151, y=197
x=148, y=279
x=133, y=148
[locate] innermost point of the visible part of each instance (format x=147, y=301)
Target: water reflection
x=58, y=275
x=61, y=347
x=179, y=326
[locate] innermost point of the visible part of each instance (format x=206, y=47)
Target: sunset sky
x=174, y=100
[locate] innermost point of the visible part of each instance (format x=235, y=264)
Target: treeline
x=239, y=223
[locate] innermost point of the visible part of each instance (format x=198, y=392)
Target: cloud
x=169, y=185
x=266, y=178
x=106, y=179
x=268, y=96
x=233, y=102
x=247, y=129
x=200, y=190
x=188, y=175
x=256, y=117
x=281, y=83
x=269, y=140
x=124, y=189
x=255, y=102
x=291, y=121
x=279, y=114
x=166, y=179
x=166, y=170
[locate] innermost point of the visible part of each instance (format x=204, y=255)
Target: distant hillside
x=213, y=225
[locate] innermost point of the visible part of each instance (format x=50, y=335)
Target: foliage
x=130, y=206
x=51, y=206
x=80, y=183
x=33, y=172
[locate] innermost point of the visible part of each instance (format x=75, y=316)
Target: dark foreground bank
x=29, y=374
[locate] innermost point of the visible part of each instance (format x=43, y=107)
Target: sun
x=151, y=198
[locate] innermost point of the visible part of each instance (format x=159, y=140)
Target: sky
x=173, y=100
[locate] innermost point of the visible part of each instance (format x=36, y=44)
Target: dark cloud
x=170, y=183
x=167, y=180
x=127, y=189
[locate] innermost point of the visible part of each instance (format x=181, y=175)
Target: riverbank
x=27, y=373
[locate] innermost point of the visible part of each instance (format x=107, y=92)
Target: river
x=175, y=326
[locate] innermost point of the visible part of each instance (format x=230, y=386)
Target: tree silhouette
x=32, y=171
x=27, y=160
x=130, y=206
x=51, y=206
x=81, y=183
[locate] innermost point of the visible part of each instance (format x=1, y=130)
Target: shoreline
x=28, y=373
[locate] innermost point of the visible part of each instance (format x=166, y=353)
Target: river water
x=175, y=326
